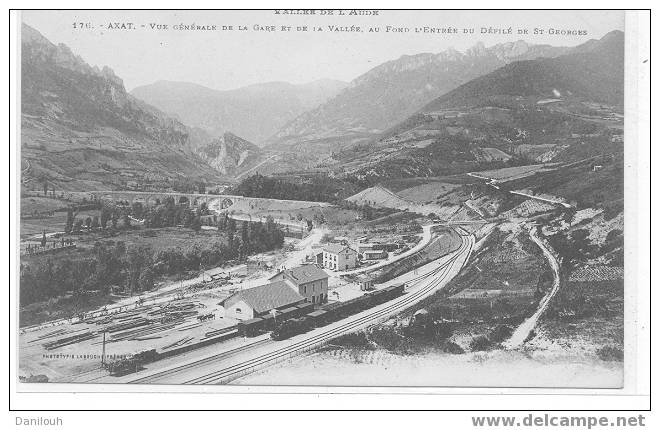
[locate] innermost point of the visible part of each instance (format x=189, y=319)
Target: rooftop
x=305, y=274
x=270, y=296
x=336, y=248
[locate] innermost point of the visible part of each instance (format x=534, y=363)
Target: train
x=131, y=364
x=287, y=323
x=301, y=318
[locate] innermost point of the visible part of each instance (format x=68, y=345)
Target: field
x=580, y=183
x=157, y=239
x=40, y=204
x=490, y=154
x=427, y=192
x=50, y=224
x=266, y=206
x=539, y=153
x=397, y=185
x=511, y=173
x=169, y=237
x=333, y=216
x=382, y=197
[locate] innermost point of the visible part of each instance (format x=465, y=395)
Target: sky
x=226, y=60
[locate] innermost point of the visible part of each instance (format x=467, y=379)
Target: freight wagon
x=290, y=321
x=251, y=327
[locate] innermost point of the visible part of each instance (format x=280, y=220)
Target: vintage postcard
x=382, y=198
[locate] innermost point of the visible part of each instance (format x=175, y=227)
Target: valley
x=451, y=207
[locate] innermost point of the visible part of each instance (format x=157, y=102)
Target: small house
x=366, y=282
x=374, y=255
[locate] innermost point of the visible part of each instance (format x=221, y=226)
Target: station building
x=308, y=280
x=260, y=301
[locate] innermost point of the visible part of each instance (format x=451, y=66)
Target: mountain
x=561, y=109
x=592, y=71
x=254, y=112
x=230, y=154
x=81, y=130
x=392, y=91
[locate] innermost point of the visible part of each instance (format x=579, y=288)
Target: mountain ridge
x=391, y=91
x=566, y=108
x=81, y=130
x=253, y=111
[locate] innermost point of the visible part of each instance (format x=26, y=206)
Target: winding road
x=522, y=332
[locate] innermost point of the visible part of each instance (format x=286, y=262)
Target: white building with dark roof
x=339, y=257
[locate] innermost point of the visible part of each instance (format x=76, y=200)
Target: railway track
x=367, y=318
x=232, y=372
x=203, y=362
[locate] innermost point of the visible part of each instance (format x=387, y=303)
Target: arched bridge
x=216, y=202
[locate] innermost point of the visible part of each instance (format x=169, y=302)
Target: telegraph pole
x=103, y=351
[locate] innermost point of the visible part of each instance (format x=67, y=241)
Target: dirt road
x=522, y=332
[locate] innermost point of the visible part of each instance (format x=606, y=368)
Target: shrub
x=480, y=343
x=353, y=340
x=500, y=333
x=389, y=338
x=530, y=336
x=610, y=353
x=453, y=348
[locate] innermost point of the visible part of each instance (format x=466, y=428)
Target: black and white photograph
x=323, y=198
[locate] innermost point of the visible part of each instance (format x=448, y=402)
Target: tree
x=196, y=223
x=242, y=251
x=244, y=232
x=109, y=264
x=137, y=209
x=105, y=216
x=138, y=258
x=188, y=218
x=146, y=281
x=320, y=219
x=68, y=228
